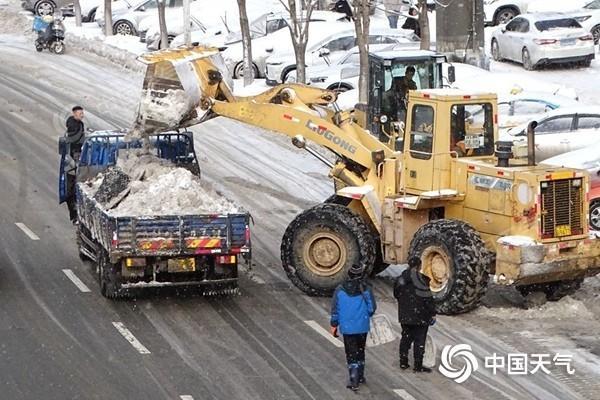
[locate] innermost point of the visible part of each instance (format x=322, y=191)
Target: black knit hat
x=355, y=271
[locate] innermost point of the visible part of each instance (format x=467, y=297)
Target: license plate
x=563, y=230
x=472, y=141
x=181, y=265
x=567, y=42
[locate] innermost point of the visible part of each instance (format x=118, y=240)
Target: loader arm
x=287, y=109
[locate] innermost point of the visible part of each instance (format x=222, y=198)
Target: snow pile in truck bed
x=158, y=187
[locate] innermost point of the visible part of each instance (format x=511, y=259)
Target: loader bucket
x=174, y=84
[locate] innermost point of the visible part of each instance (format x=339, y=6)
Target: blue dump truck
x=132, y=252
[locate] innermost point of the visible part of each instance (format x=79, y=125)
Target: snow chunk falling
x=161, y=110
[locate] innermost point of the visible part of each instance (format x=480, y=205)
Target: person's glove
x=334, y=331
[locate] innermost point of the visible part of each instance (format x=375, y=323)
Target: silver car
x=543, y=38
x=45, y=7
x=561, y=131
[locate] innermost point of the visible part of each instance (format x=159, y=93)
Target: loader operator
x=75, y=136
x=397, y=96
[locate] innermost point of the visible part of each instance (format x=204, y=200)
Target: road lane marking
x=27, y=231
x=76, y=281
x=323, y=332
x=186, y=397
x=404, y=394
x=130, y=338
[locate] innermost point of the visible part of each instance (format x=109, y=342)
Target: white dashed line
x=323, y=332
x=76, y=281
x=404, y=394
x=27, y=231
x=19, y=116
x=130, y=338
x=186, y=397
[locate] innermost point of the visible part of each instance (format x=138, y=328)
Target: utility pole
x=460, y=34
x=187, y=24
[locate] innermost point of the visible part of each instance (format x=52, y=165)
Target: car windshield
x=553, y=24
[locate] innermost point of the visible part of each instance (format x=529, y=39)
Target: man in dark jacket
x=416, y=311
x=75, y=136
x=412, y=21
x=352, y=306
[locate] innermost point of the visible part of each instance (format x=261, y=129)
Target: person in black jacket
x=75, y=136
x=416, y=311
x=412, y=21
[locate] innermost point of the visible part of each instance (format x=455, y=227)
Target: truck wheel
x=554, y=291
x=321, y=244
x=109, y=276
x=595, y=215
x=454, y=257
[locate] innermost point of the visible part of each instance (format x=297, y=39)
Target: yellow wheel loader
x=451, y=195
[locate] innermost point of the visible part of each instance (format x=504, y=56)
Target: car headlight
x=583, y=18
x=317, y=79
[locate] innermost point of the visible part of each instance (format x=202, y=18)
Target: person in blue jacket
x=352, y=307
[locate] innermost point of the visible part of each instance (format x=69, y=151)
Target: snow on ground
x=567, y=307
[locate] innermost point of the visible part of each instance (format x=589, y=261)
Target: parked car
x=45, y=7
x=127, y=16
x=149, y=29
x=561, y=131
x=498, y=12
x=88, y=9
x=515, y=110
x=587, y=159
x=265, y=24
x=340, y=76
x=273, y=43
x=329, y=49
x=545, y=38
x=589, y=18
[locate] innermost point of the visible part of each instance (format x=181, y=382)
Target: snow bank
x=158, y=187
x=104, y=49
x=568, y=307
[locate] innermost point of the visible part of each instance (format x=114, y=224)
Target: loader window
x=421, y=132
x=472, y=130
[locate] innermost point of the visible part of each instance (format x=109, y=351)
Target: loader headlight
x=576, y=182
x=524, y=193
x=383, y=119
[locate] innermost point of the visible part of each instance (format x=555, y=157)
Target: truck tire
x=320, y=245
x=454, y=256
x=109, y=276
x=554, y=291
x=379, y=265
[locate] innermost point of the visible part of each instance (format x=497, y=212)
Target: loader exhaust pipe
x=531, y=143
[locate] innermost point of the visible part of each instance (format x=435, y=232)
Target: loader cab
x=443, y=125
x=387, y=69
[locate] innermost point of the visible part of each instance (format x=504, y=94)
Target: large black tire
x=379, y=266
x=320, y=245
x=468, y=263
x=554, y=290
x=595, y=215
x=109, y=277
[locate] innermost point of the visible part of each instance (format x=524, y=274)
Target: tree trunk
x=162, y=24
x=424, y=25
x=298, y=26
x=247, y=44
x=108, y=28
x=361, y=25
x=77, y=9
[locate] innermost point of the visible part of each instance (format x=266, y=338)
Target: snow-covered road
x=58, y=342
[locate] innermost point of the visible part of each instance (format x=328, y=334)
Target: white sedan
x=560, y=131
x=498, y=12
x=330, y=48
x=545, y=38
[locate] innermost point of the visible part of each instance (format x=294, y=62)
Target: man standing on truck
x=352, y=307
x=416, y=311
x=75, y=136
